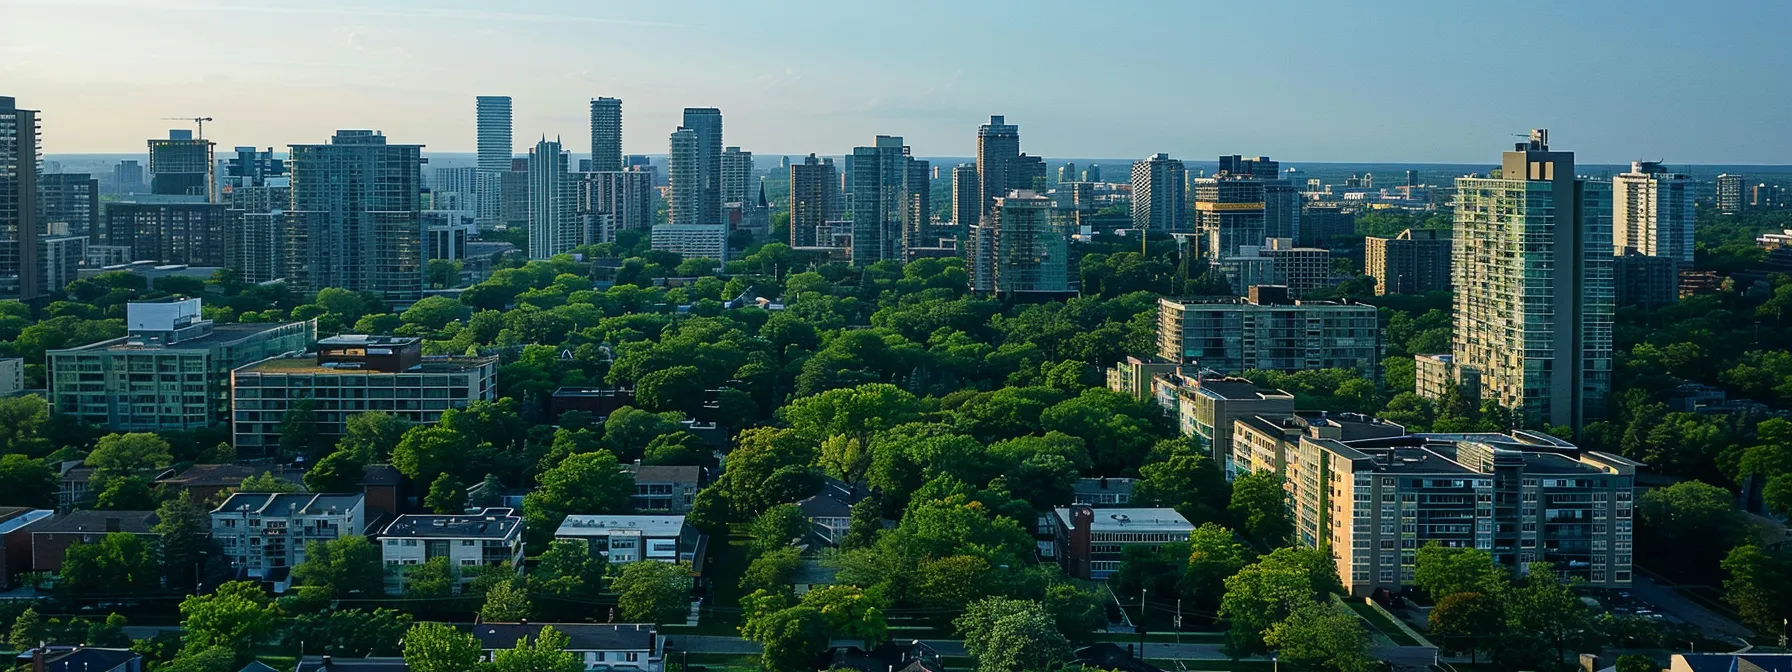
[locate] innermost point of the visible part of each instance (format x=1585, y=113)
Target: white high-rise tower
x=495, y=146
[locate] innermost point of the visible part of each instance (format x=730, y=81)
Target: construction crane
x=200, y=121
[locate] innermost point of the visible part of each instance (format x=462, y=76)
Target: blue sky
x=1689, y=82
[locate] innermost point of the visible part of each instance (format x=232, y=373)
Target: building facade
x=606, y=135
x=21, y=159
x=170, y=372
x=492, y=537
x=1233, y=335
x=60, y=259
x=1159, y=194
x=882, y=194
x=356, y=220
x=1022, y=249
x=1533, y=291
x=554, y=223
x=737, y=175
x=1645, y=281
x=494, y=144
x=72, y=199
x=998, y=152
x=1090, y=542
x=967, y=201
x=264, y=534
x=625, y=196
x=625, y=539
x=814, y=199
x=1523, y=497
x=347, y=375
x=1414, y=261
x=182, y=166
x=196, y=234
x=1652, y=212
x=1229, y=214
x=1729, y=193
x=1207, y=406
x=706, y=124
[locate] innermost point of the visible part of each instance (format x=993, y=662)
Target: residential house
x=50, y=539
x=605, y=647
x=207, y=482
x=625, y=539
x=335, y=664
x=665, y=489
x=16, y=524
x=81, y=659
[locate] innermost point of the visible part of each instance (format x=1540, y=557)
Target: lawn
x=1381, y=622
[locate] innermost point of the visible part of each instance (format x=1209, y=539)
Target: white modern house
x=492, y=537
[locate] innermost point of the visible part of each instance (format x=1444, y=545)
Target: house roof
x=339, y=664
x=823, y=506
x=214, y=475
x=134, y=522
x=257, y=666
x=1735, y=662
x=88, y=659
x=668, y=474
x=381, y=474
x=492, y=523
x=288, y=503
x=1130, y=520
x=607, y=525
x=580, y=636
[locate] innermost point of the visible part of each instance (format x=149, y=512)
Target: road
x=1672, y=602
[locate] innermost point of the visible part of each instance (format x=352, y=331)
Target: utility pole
x=1178, y=620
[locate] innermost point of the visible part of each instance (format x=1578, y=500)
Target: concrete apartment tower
x=706, y=123
x=495, y=146
x=1021, y=249
x=879, y=200
x=814, y=199
x=182, y=166
x=967, y=200
x=20, y=161
x=1159, y=194
x=1533, y=303
x=356, y=219
x=998, y=152
x=737, y=175
x=606, y=135
x=684, y=174
x=1729, y=193
x=1652, y=213
x=554, y=223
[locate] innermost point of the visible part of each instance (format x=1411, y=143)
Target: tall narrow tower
x=998, y=150
x=495, y=146
x=1533, y=273
x=684, y=173
x=19, y=165
x=706, y=123
x=814, y=199
x=356, y=219
x=606, y=135
x=554, y=224
x=1652, y=213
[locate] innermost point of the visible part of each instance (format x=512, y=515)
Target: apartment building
x=492, y=537
x=1208, y=405
x=623, y=539
x=1523, y=497
x=265, y=534
x=1262, y=443
x=1089, y=543
x=1132, y=376
x=599, y=647
x=1266, y=330
x=1414, y=261
x=665, y=489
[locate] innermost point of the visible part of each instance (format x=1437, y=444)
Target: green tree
x=28, y=630
x=345, y=566
x=372, y=435
x=25, y=481
x=447, y=495
x=674, y=388
x=506, y=602
x=849, y=612
x=120, y=563
x=1215, y=554
x=432, y=579
x=24, y=421
x=1546, y=606
x=1690, y=525
x=1009, y=635
x=863, y=525
x=439, y=647
x=1467, y=621
x=1636, y=662
x=237, y=616
x=208, y=659
x=125, y=454
x=772, y=571
x=546, y=654
x=1267, y=591
x=266, y=482
x=1260, y=506
x=856, y=412
x=184, y=527
x=678, y=449
x=1759, y=587
x=1191, y=484
x=790, y=639
x=586, y=483
x=778, y=527
x=435, y=312
x=299, y=434
x=628, y=431
x=125, y=493
x=1323, y=636
x=340, y=471
x=569, y=569
x=1443, y=571
x=653, y=592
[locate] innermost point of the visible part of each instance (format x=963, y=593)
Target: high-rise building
x=1159, y=196
x=1067, y=173
x=684, y=173
x=513, y=194
x=814, y=199
x=554, y=223
x=1533, y=275
x=1092, y=173
x=883, y=200
x=258, y=252
x=606, y=135
x=1326, y=225
x=72, y=199
x=1652, y=212
x=1268, y=331
x=917, y=208
x=196, y=234
x=1277, y=261
x=1413, y=262
x=492, y=120
x=1729, y=194
x=998, y=152
x=20, y=155
x=455, y=189
x=250, y=167
x=127, y=177
x=1645, y=281
x=966, y=200
x=706, y=123
x=1281, y=200
x=1022, y=249
x=1764, y=196
x=737, y=175
x=625, y=196
x=1523, y=497
x=60, y=258
x=182, y=166
x=356, y=220
x=1229, y=213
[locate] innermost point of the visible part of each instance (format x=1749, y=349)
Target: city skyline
x=1383, y=79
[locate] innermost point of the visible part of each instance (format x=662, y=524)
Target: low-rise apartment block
x=50, y=539
x=354, y=374
x=1207, y=405
x=1523, y=497
x=1132, y=376
x=265, y=534
x=1268, y=331
x=666, y=489
x=1089, y=542
x=170, y=372
x=625, y=539
x=493, y=537
x=600, y=647
x=1262, y=443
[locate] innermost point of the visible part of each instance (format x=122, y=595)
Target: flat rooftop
x=134, y=522
x=1130, y=520
x=222, y=334
x=604, y=525
x=307, y=363
x=1235, y=389
x=493, y=523
x=290, y=503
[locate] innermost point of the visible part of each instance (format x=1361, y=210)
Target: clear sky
x=1321, y=80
